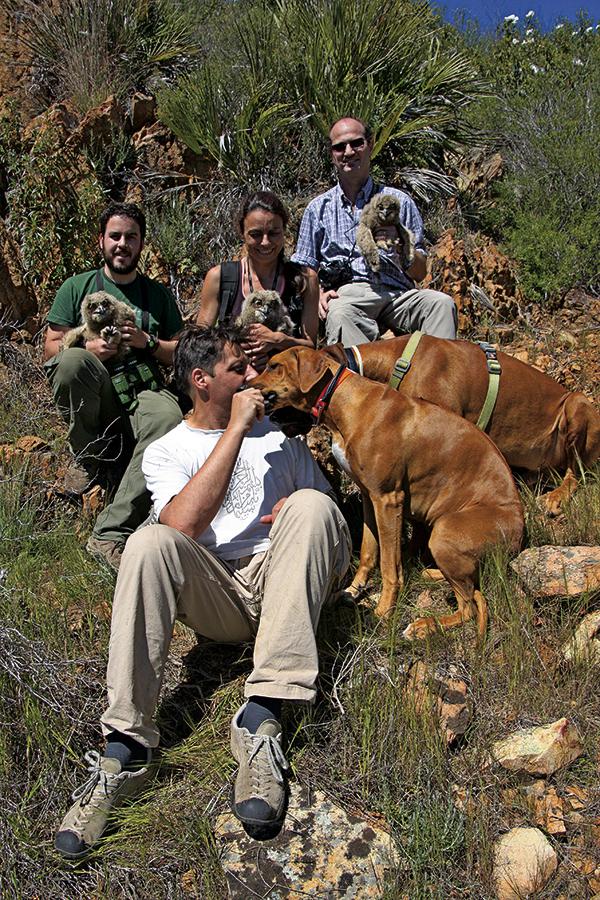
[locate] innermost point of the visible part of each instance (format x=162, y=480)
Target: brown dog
x=536, y=424
x=411, y=458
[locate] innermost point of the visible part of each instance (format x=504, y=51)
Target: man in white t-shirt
x=247, y=544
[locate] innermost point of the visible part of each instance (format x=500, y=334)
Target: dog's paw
x=420, y=629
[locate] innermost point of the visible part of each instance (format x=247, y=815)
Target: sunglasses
x=356, y=144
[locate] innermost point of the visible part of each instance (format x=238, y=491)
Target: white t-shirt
x=269, y=466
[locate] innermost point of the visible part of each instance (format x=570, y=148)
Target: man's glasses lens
x=356, y=144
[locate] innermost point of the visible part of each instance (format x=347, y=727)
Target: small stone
x=585, y=643
x=540, y=750
x=524, y=861
x=576, y=797
x=558, y=571
x=446, y=693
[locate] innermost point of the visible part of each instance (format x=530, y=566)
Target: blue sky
x=490, y=12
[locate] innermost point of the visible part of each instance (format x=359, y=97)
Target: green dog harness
x=403, y=363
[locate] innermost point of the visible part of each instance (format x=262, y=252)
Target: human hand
x=324, y=298
x=134, y=337
x=101, y=349
x=270, y=519
x=247, y=407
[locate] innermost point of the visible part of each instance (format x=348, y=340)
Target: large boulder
x=322, y=851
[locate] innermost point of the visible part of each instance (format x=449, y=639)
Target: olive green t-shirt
x=164, y=316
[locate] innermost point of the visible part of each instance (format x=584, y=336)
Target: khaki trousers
x=275, y=597
x=362, y=311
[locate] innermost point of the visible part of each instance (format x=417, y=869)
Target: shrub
x=86, y=50
x=53, y=205
x=544, y=119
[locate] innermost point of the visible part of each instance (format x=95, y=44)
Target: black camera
x=334, y=275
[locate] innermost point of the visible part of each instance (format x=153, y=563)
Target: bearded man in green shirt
x=114, y=409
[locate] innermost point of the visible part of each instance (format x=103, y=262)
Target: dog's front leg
x=369, y=550
x=388, y=514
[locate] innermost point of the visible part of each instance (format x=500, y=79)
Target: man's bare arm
x=192, y=510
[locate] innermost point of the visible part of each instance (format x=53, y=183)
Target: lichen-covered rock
x=524, y=861
x=558, y=571
x=322, y=851
x=540, y=750
x=585, y=643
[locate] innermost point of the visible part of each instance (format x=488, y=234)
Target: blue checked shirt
x=328, y=232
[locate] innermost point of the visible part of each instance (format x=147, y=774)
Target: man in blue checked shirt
x=356, y=303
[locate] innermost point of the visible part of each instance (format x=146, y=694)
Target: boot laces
x=273, y=754
x=97, y=776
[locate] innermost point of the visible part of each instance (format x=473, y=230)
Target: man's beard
x=121, y=265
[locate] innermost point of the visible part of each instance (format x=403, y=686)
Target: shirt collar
x=363, y=196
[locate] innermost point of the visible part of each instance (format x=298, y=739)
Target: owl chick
x=103, y=316
x=265, y=308
x=381, y=212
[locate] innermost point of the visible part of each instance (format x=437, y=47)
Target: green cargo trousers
x=100, y=430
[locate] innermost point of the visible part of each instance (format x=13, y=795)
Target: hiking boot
x=78, y=480
x=107, y=788
x=259, y=795
x=107, y=551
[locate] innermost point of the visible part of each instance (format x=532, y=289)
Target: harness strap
x=402, y=364
x=494, y=369
x=326, y=394
x=355, y=363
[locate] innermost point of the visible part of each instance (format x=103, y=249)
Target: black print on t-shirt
x=243, y=491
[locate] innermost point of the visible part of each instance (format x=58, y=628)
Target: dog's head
x=294, y=378
x=98, y=308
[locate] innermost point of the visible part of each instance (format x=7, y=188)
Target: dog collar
x=355, y=363
x=326, y=394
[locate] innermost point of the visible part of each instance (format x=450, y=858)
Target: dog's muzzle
x=270, y=401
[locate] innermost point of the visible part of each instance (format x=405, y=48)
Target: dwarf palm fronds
x=85, y=51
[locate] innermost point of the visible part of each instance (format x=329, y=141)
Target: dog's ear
x=311, y=368
x=336, y=351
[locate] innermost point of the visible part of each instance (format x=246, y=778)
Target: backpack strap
x=229, y=285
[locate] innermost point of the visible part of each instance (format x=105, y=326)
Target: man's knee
x=75, y=364
x=157, y=414
x=440, y=314
x=343, y=318
x=311, y=506
x=149, y=544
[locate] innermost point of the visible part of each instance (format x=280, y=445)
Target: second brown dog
x=414, y=459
